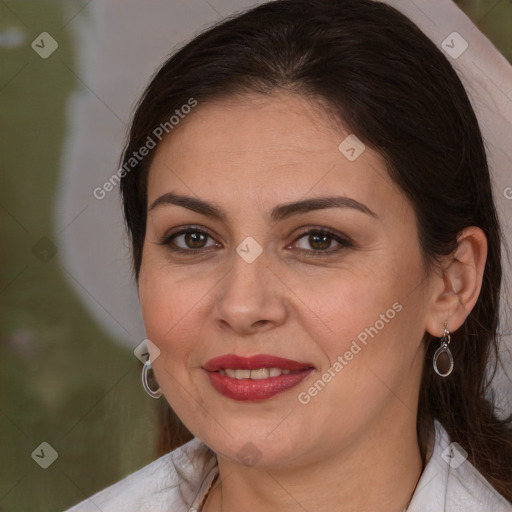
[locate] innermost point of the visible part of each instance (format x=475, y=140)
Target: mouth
x=260, y=373
x=254, y=378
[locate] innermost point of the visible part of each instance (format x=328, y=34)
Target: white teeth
x=242, y=374
x=260, y=373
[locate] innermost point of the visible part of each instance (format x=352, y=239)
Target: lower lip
x=255, y=389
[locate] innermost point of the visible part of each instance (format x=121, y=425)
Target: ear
x=457, y=286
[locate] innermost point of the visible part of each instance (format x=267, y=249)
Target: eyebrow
x=279, y=213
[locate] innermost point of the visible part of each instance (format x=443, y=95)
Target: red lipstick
x=286, y=375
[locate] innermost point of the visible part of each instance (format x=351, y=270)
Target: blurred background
x=68, y=375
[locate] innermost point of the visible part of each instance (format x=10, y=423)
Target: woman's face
x=337, y=287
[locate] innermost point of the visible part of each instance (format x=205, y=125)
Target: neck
x=378, y=471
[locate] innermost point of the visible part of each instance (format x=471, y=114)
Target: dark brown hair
x=388, y=82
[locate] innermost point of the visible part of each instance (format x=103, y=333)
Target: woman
x=317, y=254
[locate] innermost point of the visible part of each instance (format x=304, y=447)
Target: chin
x=252, y=446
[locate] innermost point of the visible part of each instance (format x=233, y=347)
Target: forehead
x=279, y=147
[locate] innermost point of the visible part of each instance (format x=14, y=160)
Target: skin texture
x=354, y=443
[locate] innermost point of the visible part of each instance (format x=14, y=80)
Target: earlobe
x=460, y=282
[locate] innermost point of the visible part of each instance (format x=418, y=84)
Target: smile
x=254, y=378
x=261, y=373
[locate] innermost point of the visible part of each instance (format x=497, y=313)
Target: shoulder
x=171, y=483
x=450, y=483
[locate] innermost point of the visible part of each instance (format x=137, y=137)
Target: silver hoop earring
x=157, y=393
x=443, y=359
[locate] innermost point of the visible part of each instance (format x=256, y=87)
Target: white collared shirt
x=178, y=481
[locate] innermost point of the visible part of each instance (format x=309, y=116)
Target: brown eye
x=188, y=241
x=321, y=242
x=194, y=239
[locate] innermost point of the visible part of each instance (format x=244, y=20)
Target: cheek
x=173, y=306
x=361, y=320
x=368, y=318
x=346, y=300
x=368, y=348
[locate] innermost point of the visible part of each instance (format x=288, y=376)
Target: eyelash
x=344, y=242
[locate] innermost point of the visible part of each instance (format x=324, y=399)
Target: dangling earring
x=152, y=393
x=443, y=359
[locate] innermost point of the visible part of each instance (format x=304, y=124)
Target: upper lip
x=233, y=361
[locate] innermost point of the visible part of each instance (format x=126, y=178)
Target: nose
x=251, y=298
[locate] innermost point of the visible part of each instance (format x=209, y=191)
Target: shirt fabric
x=178, y=482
